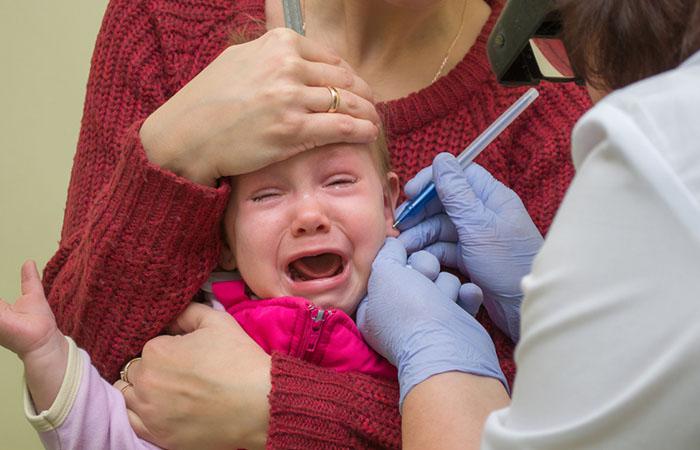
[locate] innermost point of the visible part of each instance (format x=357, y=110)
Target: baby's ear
x=227, y=258
x=391, y=196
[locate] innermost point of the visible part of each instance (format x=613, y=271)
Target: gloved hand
x=481, y=227
x=468, y=295
x=417, y=326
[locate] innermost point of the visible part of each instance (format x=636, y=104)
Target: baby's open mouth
x=324, y=265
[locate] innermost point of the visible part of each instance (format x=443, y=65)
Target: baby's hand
x=29, y=329
x=28, y=326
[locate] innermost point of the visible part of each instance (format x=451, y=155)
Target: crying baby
x=303, y=234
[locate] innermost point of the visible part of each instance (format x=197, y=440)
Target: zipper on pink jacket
x=318, y=318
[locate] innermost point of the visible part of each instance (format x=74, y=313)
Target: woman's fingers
x=267, y=99
x=318, y=74
x=197, y=316
x=320, y=99
x=189, y=398
x=329, y=128
x=321, y=65
x=307, y=48
x=139, y=427
x=133, y=376
x=129, y=393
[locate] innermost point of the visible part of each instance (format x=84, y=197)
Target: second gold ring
x=335, y=100
x=124, y=374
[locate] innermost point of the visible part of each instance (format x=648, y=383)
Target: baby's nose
x=310, y=219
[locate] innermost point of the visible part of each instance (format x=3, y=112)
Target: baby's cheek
x=377, y=244
x=261, y=282
x=255, y=271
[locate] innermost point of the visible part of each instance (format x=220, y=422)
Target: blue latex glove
x=481, y=227
x=468, y=295
x=410, y=320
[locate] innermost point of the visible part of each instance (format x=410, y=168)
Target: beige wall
x=45, y=49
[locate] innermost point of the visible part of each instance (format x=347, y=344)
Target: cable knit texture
x=138, y=242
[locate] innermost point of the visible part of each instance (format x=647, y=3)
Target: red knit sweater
x=138, y=241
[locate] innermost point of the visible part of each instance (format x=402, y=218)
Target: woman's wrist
x=259, y=410
x=165, y=149
x=449, y=410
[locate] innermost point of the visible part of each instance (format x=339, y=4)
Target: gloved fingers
x=433, y=229
x=392, y=252
x=449, y=285
x=470, y=298
x=418, y=182
x=425, y=263
x=445, y=252
x=412, y=189
x=361, y=313
x=460, y=201
x=492, y=192
x=430, y=209
x=479, y=178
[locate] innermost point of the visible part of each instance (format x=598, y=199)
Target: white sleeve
x=88, y=413
x=609, y=356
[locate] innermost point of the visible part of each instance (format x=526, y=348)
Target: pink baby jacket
x=90, y=413
x=296, y=327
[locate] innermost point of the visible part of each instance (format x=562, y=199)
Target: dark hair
x=613, y=43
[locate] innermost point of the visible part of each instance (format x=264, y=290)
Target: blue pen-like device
x=475, y=148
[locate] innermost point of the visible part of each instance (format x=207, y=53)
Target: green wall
x=45, y=50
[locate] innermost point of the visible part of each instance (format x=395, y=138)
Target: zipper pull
x=318, y=316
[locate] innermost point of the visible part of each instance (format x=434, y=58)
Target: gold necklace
x=452, y=45
x=447, y=53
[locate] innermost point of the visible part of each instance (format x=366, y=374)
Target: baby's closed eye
x=264, y=195
x=341, y=181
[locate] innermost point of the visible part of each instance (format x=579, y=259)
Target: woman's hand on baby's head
x=28, y=326
x=258, y=103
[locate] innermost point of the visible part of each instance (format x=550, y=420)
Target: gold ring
x=127, y=385
x=124, y=374
x=335, y=100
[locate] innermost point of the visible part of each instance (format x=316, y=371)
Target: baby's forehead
x=317, y=160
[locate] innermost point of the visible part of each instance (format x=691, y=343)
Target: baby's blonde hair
x=380, y=150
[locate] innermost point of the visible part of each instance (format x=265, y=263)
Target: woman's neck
x=397, y=50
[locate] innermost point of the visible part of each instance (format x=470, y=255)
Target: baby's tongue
x=320, y=266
